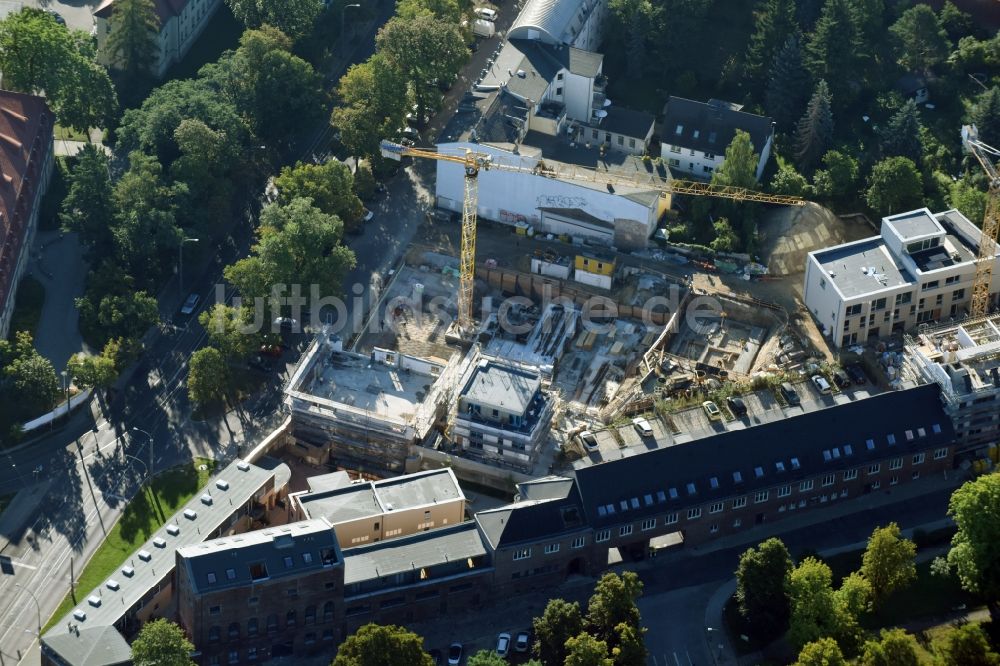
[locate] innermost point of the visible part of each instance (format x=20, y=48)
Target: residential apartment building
x=964, y=360
x=372, y=511
x=576, y=23
x=26, y=160
x=502, y=416
x=365, y=412
x=919, y=270
x=180, y=24
x=696, y=134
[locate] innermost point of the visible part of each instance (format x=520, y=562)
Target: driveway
x=57, y=262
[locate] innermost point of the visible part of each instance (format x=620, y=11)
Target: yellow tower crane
x=991, y=221
x=474, y=162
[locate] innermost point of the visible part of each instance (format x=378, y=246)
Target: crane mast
x=991, y=221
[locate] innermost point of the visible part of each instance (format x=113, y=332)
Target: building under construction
x=964, y=360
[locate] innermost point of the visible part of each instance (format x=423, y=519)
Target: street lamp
x=145, y=469
x=180, y=261
x=150, y=437
x=65, y=376
x=343, y=10
x=38, y=609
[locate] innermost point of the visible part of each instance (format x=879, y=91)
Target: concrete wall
x=578, y=95
x=399, y=523
x=592, y=279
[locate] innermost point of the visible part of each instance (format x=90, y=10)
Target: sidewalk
x=714, y=612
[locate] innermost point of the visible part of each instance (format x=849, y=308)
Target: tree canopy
x=132, y=37
x=967, y=645
x=821, y=652
x=761, y=581
x=888, y=562
x=330, y=186
x=814, y=133
x=293, y=17
x=894, y=185
x=382, y=645
x=554, y=627
x=894, y=647
x=208, y=376
x=161, y=643
x=921, y=41
x=774, y=24
x=789, y=84
x=373, y=105
x=975, y=548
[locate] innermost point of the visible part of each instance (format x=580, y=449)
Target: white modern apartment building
x=919, y=270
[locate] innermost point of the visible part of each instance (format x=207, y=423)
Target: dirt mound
x=788, y=234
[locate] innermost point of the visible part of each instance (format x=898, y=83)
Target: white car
x=821, y=384
x=712, y=410
x=503, y=644
x=368, y=216
x=642, y=425
x=521, y=642
x=190, y=304
x=486, y=13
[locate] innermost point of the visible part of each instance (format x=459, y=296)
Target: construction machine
x=991, y=221
x=473, y=162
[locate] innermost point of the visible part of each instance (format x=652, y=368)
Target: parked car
x=642, y=426
x=823, y=386
x=737, y=406
x=286, y=323
x=258, y=363
x=409, y=133
x=274, y=351
x=714, y=414
x=455, y=654
x=588, y=440
x=486, y=13
x=406, y=141
x=503, y=644
x=522, y=642
x=368, y=216
x=841, y=379
x=415, y=120
x=857, y=374
x=789, y=394
x=190, y=304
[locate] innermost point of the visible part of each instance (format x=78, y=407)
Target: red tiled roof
x=165, y=9
x=25, y=134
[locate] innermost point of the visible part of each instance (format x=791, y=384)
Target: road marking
x=23, y=565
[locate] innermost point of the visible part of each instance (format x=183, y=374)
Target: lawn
x=147, y=512
x=69, y=134
x=27, y=306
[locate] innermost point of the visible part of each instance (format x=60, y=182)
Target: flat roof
x=498, y=384
x=913, y=224
x=228, y=490
x=862, y=267
x=374, y=498
x=341, y=505
x=414, y=552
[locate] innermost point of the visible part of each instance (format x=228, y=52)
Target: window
x=215, y=610
x=874, y=468
x=828, y=479
x=958, y=294
x=327, y=611
x=713, y=529
x=739, y=502
x=624, y=530
x=806, y=486
x=784, y=491
x=717, y=507
x=915, y=475
x=893, y=480
x=895, y=463
x=679, y=130
x=933, y=284
x=941, y=454
x=648, y=524
x=760, y=496
x=579, y=542
x=258, y=571
x=850, y=474
x=738, y=522
x=307, y=558
x=694, y=514
x=672, y=162
x=211, y=578
x=522, y=554
x=551, y=548
x=918, y=458
x=876, y=485
x=559, y=76
x=670, y=519
x=904, y=298
x=878, y=304
x=272, y=623
x=939, y=299
x=213, y=634
x=709, y=156
x=310, y=614
x=234, y=631
x=310, y=638
x=234, y=656
x=594, y=136
x=621, y=140
x=952, y=279
x=288, y=561
x=559, y=91
x=853, y=310
x=252, y=627
x=631, y=143
x=673, y=149
x=252, y=654
x=602, y=535
x=290, y=618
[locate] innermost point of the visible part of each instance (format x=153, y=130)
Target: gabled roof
x=532, y=519
x=740, y=461
x=91, y=646
x=710, y=126
x=628, y=122
x=417, y=551
x=165, y=9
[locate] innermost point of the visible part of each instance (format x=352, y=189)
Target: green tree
x=364, y=181
x=833, y=52
x=838, y=179
x=986, y=116
x=88, y=371
x=725, y=239
x=955, y=22
x=382, y=645
x=814, y=132
x=968, y=199
x=813, y=609
x=762, y=579
x=329, y=185
x=204, y=167
x=632, y=22
x=208, y=376
x=127, y=315
x=895, y=647
x=894, y=185
x=33, y=382
x=38, y=54
x=821, y=652
x=293, y=17
x=585, y=650
x=132, y=37
x=373, y=96
x=975, y=548
x=774, y=23
x=122, y=352
x=486, y=658
x=789, y=181
x=889, y=562
x=921, y=41
x=444, y=10
x=901, y=135
x=789, y=84
x=228, y=330
x=553, y=628
x=966, y=645
x=614, y=603
x=88, y=207
x=629, y=650
x=161, y=643
x=738, y=170
x=424, y=49
x=869, y=16
x=851, y=600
